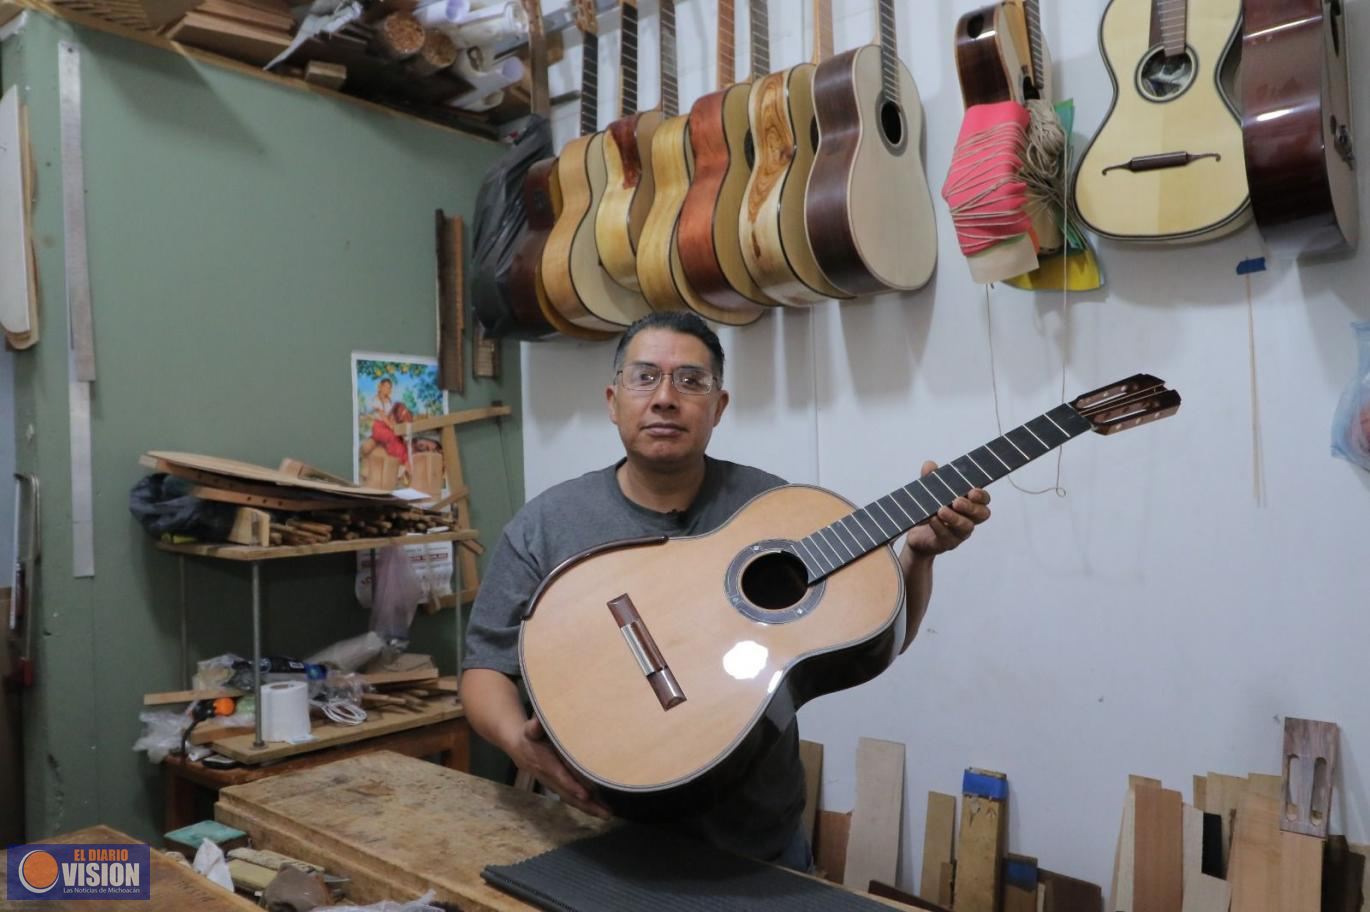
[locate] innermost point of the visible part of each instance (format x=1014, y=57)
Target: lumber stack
x=253, y=31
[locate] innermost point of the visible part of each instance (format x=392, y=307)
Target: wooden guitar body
x=867, y=206
x=659, y=271
x=1166, y=168
x=990, y=61
x=743, y=670
x=577, y=284
x=774, y=238
x=628, y=192
x=710, y=250
x=527, y=295
x=1296, y=123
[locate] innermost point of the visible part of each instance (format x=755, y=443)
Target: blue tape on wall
x=982, y=786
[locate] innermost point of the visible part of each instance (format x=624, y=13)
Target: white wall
x=1154, y=620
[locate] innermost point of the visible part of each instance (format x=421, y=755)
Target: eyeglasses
x=692, y=381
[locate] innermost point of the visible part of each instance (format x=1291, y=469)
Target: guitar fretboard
x=761, y=38
x=1032, y=10
x=889, y=51
x=727, y=44
x=589, y=84
x=1168, y=20
x=882, y=521
x=670, y=98
x=627, y=96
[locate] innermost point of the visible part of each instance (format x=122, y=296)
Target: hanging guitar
x=1167, y=163
x=867, y=206
x=1296, y=123
x=661, y=667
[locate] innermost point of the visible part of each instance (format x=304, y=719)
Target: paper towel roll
x=443, y=13
x=285, y=711
x=485, y=83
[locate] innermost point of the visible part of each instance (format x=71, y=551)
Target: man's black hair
x=682, y=321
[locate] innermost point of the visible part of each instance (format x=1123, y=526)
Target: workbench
x=399, y=827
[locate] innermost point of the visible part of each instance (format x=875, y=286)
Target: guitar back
x=1296, y=125
x=734, y=672
x=1203, y=198
x=868, y=207
x=630, y=187
x=527, y=294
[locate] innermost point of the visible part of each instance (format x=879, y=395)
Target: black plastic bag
x=500, y=216
x=163, y=504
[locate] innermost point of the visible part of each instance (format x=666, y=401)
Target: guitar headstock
x=1139, y=399
x=586, y=16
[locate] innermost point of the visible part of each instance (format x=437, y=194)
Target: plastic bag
x=163, y=504
x=1351, y=425
x=210, y=861
x=423, y=904
x=398, y=592
x=161, y=733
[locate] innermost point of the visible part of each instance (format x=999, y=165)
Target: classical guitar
x=659, y=271
x=868, y=207
x=992, y=54
x=721, y=141
x=775, y=239
x=534, y=317
x=1296, y=125
x=1166, y=164
x=661, y=667
x=577, y=284
x=629, y=185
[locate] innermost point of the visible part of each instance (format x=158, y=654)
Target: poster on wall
x=389, y=391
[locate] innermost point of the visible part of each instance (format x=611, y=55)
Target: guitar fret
x=943, y=483
x=589, y=84
x=666, y=25
x=830, y=553
x=875, y=540
x=760, y=38
x=912, y=521
x=804, y=543
x=852, y=519
x=838, y=528
x=874, y=521
x=893, y=521
x=975, y=462
x=1009, y=455
x=965, y=467
x=926, y=511
x=833, y=537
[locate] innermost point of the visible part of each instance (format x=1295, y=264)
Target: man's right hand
x=534, y=754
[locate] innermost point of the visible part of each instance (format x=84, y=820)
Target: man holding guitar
x=666, y=398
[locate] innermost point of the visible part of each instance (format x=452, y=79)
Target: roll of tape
x=285, y=711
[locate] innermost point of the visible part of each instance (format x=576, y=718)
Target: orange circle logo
x=38, y=871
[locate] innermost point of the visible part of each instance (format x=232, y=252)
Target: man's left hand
x=951, y=525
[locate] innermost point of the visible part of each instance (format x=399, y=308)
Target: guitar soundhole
x=775, y=581
x=749, y=150
x=1162, y=78
x=813, y=133
x=892, y=124
x=975, y=25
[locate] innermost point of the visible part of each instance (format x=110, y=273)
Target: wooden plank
x=811, y=756
x=169, y=697
x=1224, y=797
x=250, y=877
x=380, y=721
x=250, y=527
x=1069, y=894
x=1265, y=784
x=18, y=290
x=1364, y=852
x=1207, y=894
x=399, y=826
x=1254, y=869
x=830, y=848
x=873, y=848
x=1158, y=851
x=450, y=370
x=1124, y=854
x=452, y=419
x=176, y=887
x=1020, y=883
x=250, y=472
x=461, y=507
x=1310, y=768
x=1300, y=872
x=886, y=891
x=979, y=848
x=9, y=11
x=1344, y=876
x=939, y=837
x=251, y=553
x=1200, y=792
x=1193, y=849
x=229, y=37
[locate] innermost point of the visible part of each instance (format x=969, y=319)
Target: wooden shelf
x=257, y=553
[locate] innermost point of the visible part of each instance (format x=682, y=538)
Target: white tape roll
x=285, y=711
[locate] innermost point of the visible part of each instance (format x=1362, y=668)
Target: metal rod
x=373, y=581
x=456, y=572
x=257, y=650
x=185, y=625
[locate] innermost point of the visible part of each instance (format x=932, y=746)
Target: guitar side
x=527, y=293
x=1206, y=198
x=774, y=239
x=630, y=187
x=868, y=207
x=743, y=679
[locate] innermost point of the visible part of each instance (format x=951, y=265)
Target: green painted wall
x=244, y=239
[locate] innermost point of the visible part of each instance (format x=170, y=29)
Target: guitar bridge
x=644, y=649
x=1162, y=160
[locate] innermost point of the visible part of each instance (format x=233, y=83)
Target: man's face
x=665, y=427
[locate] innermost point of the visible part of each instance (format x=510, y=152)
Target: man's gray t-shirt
x=760, y=816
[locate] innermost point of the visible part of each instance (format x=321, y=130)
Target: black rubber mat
x=636, y=868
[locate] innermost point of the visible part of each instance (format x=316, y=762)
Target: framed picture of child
x=389, y=391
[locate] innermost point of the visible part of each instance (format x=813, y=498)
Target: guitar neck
x=822, y=30
x=882, y=521
x=1032, y=11
x=889, y=51
x=537, y=57
x=627, y=91
x=727, y=44
x=589, y=84
x=670, y=98
x=761, y=38
x=1168, y=20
